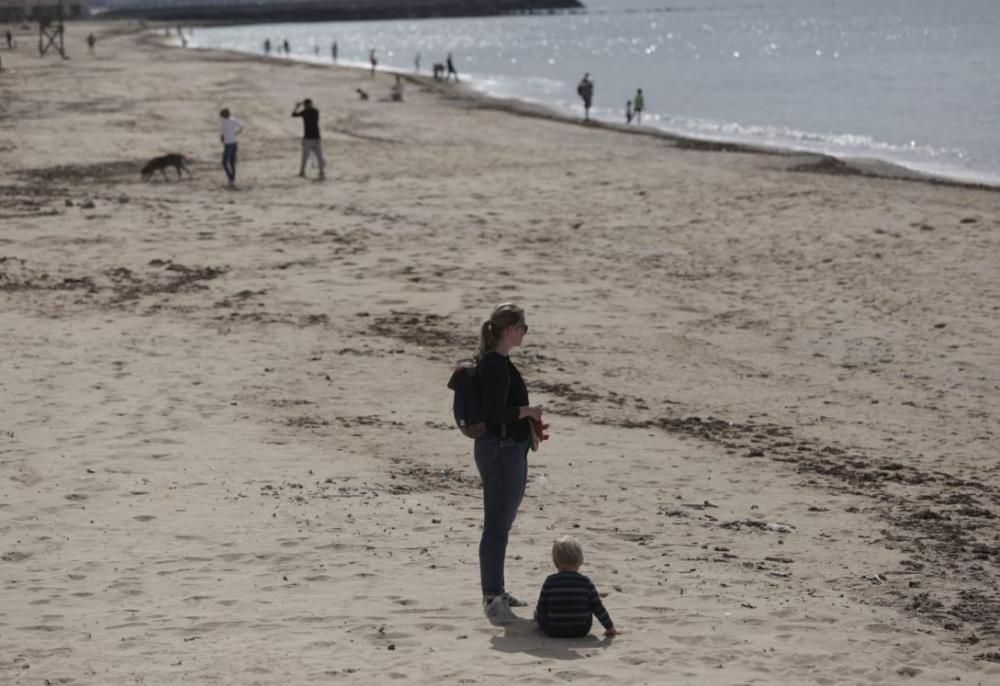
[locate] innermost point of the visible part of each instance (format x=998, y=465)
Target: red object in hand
x=539, y=429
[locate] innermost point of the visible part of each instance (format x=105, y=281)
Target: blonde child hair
x=567, y=553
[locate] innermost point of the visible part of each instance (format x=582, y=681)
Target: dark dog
x=160, y=164
x=439, y=71
x=362, y=94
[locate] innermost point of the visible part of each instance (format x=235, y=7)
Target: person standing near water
x=333, y=51
x=373, y=58
x=639, y=104
x=501, y=452
x=311, y=144
x=451, y=69
x=416, y=64
x=585, y=89
x=267, y=46
x=230, y=129
x=396, y=93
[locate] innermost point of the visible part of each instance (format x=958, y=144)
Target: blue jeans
x=503, y=467
x=229, y=160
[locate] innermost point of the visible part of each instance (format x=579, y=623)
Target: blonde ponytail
x=504, y=315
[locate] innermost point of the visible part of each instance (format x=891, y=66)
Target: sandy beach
x=227, y=454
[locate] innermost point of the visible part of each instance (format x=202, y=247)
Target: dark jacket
x=504, y=393
x=310, y=123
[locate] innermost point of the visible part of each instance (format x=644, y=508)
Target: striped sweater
x=566, y=605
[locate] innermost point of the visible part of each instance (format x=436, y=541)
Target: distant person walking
x=333, y=51
x=416, y=63
x=311, y=144
x=585, y=89
x=267, y=46
x=628, y=111
x=10, y=40
x=396, y=93
x=451, y=69
x=91, y=42
x=287, y=47
x=373, y=58
x=640, y=105
x=230, y=129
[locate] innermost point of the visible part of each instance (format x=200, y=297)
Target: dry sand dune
x=226, y=454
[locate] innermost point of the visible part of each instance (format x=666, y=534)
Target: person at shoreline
x=286, y=46
x=585, y=89
x=333, y=51
x=628, y=111
x=639, y=105
x=396, y=93
x=416, y=64
x=231, y=127
x=311, y=144
x=569, y=600
x=501, y=452
x=91, y=42
x=267, y=46
x=373, y=58
x=10, y=40
x=451, y=69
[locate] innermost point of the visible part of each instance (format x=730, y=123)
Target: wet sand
x=227, y=453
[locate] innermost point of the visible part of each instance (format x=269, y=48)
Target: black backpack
x=468, y=403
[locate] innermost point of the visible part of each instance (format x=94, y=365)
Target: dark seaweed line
x=940, y=541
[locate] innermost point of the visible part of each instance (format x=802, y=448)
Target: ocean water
x=913, y=82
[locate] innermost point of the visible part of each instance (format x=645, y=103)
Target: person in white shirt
x=231, y=127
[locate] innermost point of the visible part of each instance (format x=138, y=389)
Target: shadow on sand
x=523, y=636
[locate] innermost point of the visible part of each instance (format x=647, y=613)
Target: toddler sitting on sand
x=569, y=600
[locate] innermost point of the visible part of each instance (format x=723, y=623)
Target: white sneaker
x=499, y=612
x=514, y=602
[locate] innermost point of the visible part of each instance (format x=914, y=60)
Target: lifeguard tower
x=49, y=14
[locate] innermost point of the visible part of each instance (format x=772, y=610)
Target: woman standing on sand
x=502, y=451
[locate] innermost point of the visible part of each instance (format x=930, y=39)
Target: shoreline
x=337, y=10
x=229, y=454
x=813, y=162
